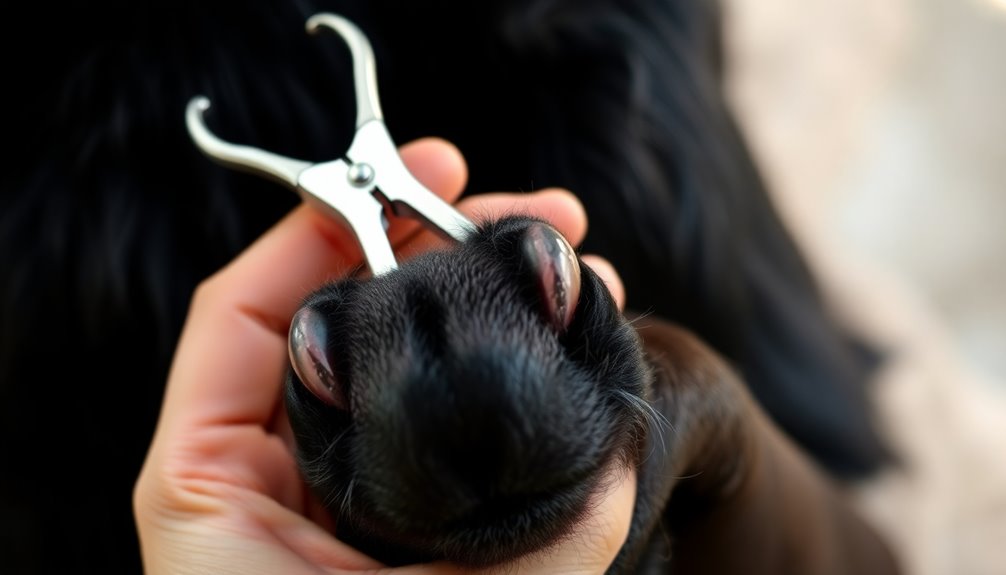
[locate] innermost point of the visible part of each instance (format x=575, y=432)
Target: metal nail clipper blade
x=357, y=188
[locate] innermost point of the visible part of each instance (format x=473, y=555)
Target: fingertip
x=566, y=197
x=566, y=212
x=438, y=165
x=595, y=542
x=609, y=276
x=555, y=205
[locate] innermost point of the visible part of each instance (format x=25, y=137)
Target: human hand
x=220, y=491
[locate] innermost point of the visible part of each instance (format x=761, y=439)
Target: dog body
x=110, y=216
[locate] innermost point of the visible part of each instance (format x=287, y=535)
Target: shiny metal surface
x=355, y=190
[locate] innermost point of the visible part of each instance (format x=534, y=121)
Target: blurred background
x=881, y=127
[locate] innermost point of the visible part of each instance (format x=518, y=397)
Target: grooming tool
x=355, y=189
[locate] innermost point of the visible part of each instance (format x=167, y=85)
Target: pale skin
x=219, y=491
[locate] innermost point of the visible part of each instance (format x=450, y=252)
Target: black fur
x=474, y=432
x=109, y=216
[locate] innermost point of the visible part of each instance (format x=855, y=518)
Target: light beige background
x=882, y=125
x=881, y=128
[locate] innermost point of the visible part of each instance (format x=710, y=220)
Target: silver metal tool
x=357, y=189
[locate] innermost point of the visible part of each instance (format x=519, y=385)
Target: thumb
x=595, y=543
x=589, y=550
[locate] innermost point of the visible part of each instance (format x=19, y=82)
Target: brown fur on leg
x=740, y=496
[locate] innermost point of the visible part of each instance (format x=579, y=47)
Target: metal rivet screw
x=360, y=174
